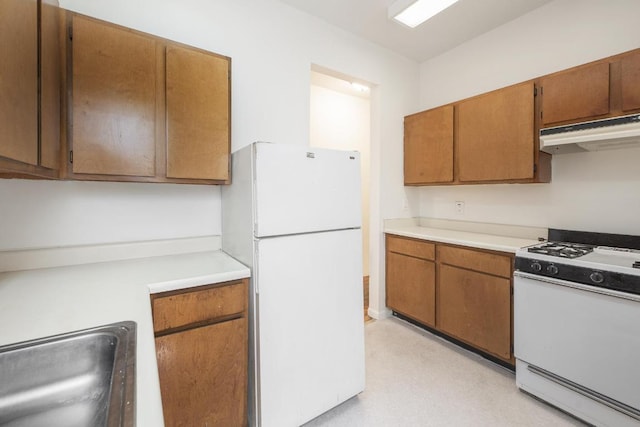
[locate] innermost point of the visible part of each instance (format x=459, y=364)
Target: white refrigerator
x=293, y=214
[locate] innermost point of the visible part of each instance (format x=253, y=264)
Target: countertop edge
x=463, y=238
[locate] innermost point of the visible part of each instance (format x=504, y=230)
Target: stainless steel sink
x=83, y=378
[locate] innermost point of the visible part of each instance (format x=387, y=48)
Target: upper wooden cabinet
x=496, y=135
x=142, y=108
x=630, y=81
x=197, y=114
x=577, y=94
x=487, y=138
x=114, y=101
x=428, y=146
x=608, y=87
x=29, y=146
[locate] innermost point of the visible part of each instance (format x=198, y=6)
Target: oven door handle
x=613, y=404
x=580, y=286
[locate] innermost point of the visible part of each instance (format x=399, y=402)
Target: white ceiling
x=461, y=22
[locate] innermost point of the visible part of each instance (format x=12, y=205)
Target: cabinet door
x=630, y=69
x=19, y=80
x=428, y=146
x=475, y=308
x=203, y=374
x=114, y=100
x=576, y=95
x=411, y=287
x=50, y=76
x=198, y=143
x=496, y=135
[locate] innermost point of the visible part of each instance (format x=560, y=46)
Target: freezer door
x=310, y=325
x=300, y=189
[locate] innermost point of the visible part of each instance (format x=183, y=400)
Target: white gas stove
x=577, y=325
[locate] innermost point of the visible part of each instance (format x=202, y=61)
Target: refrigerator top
x=299, y=189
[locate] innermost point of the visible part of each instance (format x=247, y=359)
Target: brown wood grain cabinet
x=30, y=86
x=464, y=293
x=113, y=100
x=202, y=353
x=630, y=81
x=428, y=146
x=489, y=138
x=410, y=278
x=142, y=108
x=496, y=135
x=578, y=94
x=197, y=114
x=474, y=298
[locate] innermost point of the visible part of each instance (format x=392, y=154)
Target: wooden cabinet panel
x=475, y=308
x=472, y=259
x=114, y=100
x=428, y=146
x=411, y=247
x=578, y=94
x=411, y=287
x=198, y=103
x=196, y=305
x=50, y=85
x=630, y=75
x=203, y=374
x=19, y=80
x=496, y=135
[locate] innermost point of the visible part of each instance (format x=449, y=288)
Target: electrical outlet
x=460, y=207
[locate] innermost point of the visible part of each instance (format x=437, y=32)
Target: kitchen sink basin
x=82, y=378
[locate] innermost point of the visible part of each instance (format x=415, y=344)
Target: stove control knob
x=536, y=266
x=552, y=269
x=596, y=277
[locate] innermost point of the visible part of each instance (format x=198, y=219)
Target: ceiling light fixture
x=359, y=87
x=414, y=12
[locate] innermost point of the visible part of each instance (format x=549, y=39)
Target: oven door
x=586, y=336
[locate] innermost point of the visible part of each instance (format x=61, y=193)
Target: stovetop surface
x=603, y=258
x=561, y=249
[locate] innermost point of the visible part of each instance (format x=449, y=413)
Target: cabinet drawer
x=411, y=247
x=179, y=309
x=499, y=265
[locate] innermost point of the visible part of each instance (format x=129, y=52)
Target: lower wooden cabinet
x=475, y=308
x=411, y=286
x=202, y=352
x=461, y=292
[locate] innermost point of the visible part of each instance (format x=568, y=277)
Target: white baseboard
x=379, y=314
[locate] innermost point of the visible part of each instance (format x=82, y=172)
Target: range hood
x=605, y=134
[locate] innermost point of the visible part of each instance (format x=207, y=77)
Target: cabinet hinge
x=535, y=168
x=70, y=156
x=70, y=32
x=535, y=91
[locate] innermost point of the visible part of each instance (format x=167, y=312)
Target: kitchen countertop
x=495, y=237
x=48, y=301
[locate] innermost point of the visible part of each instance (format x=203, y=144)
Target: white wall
x=598, y=191
x=342, y=121
x=272, y=47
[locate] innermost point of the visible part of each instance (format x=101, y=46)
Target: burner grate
x=562, y=249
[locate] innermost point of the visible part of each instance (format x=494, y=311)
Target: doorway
x=340, y=118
